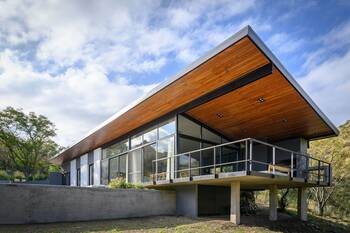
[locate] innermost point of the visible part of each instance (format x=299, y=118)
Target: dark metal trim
x=237, y=83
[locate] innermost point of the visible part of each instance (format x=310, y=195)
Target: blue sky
x=79, y=62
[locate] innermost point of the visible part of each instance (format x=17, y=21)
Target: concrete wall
x=187, y=200
x=21, y=203
x=213, y=200
x=298, y=145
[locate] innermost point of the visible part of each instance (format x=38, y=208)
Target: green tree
x=26, y=143
x=335, y=150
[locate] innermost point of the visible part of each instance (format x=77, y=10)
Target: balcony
x=241, y=158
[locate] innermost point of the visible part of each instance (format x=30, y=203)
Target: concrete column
x=302, y=203
x=235, y=216
x=84, y=170
x=73, y=172
x=273, y=203
x=97, y=166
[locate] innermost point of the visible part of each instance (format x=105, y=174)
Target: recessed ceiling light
x=261, y=99
x=219, y=115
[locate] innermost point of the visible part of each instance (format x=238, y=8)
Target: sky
x=79, y=62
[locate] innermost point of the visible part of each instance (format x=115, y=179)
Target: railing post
x=156, y=176
x=251, y=155
x=189, y=165
x=292, y=165
x=214, y=160
x=319, y=171
x=273, y=159
x=246, y=155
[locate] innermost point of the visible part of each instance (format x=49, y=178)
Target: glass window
x=165, y=149
x=150, y=136
x=210, y=136
x=188, y=127
x=78, y=177
x=136, y=141
x=91, y=174
x=122, y=165
x=167, y=129
x=187, y=145
x=134, y=165
x=113, y=168
x=149, y=154
x=229, y=155
x=104, y=171
x=115, y=149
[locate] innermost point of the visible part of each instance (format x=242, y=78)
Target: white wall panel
x=97, y=166
x=73, y=173
x=84, y=170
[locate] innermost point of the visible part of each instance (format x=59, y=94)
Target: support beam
x=273, y=203
x=235, y=216
x=302, y=203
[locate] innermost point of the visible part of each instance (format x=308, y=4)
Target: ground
x=286, y=223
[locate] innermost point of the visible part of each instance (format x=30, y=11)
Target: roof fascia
x=261, y=45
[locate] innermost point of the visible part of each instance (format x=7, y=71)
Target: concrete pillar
x=302, y=203
x=73, y=172
x=97, y=166
x=84, y=170
x=273, y=203
x=235, y=216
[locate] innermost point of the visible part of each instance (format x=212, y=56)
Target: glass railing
x=245, y=155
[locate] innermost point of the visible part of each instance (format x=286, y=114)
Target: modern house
x=233, y=120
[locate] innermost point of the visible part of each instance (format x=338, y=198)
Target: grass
x=287, y=223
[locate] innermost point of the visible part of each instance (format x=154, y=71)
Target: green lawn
x=250, y=224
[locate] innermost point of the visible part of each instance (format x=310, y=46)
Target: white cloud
x=76, y=100
x=336, y=39
x=329, y=85
x=57, y=57
x=284, y=43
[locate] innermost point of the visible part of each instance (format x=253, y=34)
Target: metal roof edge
x=252, y=34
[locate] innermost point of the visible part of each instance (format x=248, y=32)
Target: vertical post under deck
x=235, y=213
x=302, y=203
x=273, y=202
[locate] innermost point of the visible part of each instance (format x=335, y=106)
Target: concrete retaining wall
x=20, y=203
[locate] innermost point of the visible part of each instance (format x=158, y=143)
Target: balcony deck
x=256, y=165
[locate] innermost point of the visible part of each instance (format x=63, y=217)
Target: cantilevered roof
x=239, y=88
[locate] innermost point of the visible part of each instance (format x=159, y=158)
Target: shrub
x=4, y=175
x=121, y=183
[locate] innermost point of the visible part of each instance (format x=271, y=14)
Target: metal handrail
x=248, y=145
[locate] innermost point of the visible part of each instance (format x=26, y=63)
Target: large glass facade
x=137, y=163
x=147, y=155
x=193, y=136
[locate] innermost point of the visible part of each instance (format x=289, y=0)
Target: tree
x=26, y=142
x=336, y=151
x=283, y=200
